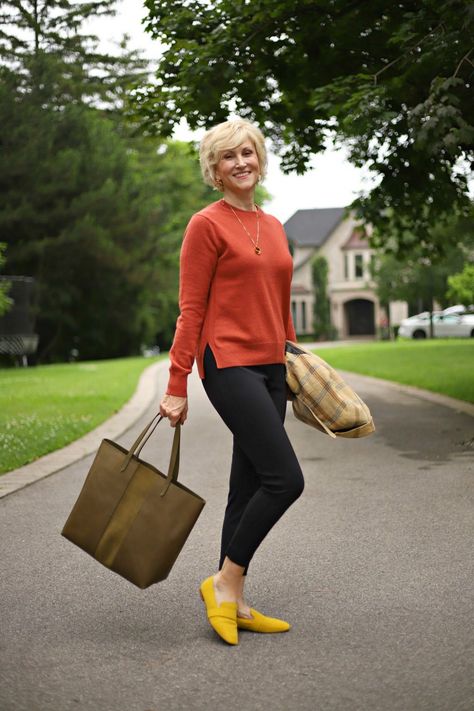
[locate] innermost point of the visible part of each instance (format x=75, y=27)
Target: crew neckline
x=240, y=209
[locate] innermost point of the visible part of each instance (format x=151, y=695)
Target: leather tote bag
x=321, y=398
x=131, y=517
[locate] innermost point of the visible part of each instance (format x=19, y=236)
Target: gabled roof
x=311, y=228
x=357, y=240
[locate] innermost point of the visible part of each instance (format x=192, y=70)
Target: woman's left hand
x=175, y=408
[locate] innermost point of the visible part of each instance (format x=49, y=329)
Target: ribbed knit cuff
x=177, y=385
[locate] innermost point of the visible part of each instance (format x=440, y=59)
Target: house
x=335, y=234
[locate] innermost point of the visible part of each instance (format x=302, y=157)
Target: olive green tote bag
x=131, y=517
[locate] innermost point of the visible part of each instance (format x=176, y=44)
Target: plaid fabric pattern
x=322, y=399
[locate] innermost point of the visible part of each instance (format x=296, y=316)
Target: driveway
x=373, y=567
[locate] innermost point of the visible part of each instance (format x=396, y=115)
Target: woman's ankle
x=230, y=574
x=223, y=582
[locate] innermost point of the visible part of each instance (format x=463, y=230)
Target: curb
x=112, y=428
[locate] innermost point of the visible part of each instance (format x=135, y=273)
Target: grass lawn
x=44, y=408
x=444, y=366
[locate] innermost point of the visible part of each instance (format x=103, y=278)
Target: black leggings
x=265, y=477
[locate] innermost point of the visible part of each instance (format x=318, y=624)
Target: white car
x=458, y=309
x=445, y=325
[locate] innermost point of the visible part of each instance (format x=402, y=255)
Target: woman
x=235, y=278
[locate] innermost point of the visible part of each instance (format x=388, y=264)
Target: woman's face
x=238, y=168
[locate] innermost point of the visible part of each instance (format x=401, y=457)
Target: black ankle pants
x=265, y=477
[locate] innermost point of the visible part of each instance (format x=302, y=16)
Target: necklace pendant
x=258, y=250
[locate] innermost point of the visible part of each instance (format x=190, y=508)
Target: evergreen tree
x=43, y=43
x=91, y=208
x=70, y=211
x=98, y=220
x=323, y=328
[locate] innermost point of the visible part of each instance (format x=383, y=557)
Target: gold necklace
x=258, y=250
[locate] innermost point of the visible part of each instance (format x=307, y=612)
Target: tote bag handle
x=142, y=439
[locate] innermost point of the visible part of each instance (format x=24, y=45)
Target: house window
x=346, y=266
x=359, y=266
x=303, y=316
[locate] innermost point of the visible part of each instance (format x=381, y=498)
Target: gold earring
x=219, y=183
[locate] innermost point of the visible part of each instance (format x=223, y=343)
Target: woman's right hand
x=175, y=408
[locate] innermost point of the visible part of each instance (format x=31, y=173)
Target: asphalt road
x=373, y=566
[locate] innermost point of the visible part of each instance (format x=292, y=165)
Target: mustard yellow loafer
x=223, y=617
x=262, y=623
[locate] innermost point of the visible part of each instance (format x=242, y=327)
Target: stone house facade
x=335, y=234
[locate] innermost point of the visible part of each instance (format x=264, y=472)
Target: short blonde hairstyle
x=227, y=136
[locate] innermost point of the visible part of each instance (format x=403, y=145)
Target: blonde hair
x=226, y=136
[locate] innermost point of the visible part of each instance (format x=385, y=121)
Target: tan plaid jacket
x=322, y=399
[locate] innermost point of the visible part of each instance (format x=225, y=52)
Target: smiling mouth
x=242, y=175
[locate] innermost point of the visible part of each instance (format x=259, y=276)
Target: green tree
x=98, y=220
x=421, y=280
x=168, y=180
x=91, y=207
x=5, y=301
x=71, y=212
x=461, y=286
x=391, y=81
x=43, y=43
x=65, y=208
x=323, y=328
x=69, y=218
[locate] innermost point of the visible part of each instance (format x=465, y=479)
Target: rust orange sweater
x=230, y=297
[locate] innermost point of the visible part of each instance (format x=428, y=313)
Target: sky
x=332, y=180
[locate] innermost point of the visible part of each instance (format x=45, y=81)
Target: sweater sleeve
x=198, y=261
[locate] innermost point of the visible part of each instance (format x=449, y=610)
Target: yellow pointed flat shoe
x=262, y=623
x=223, y=617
